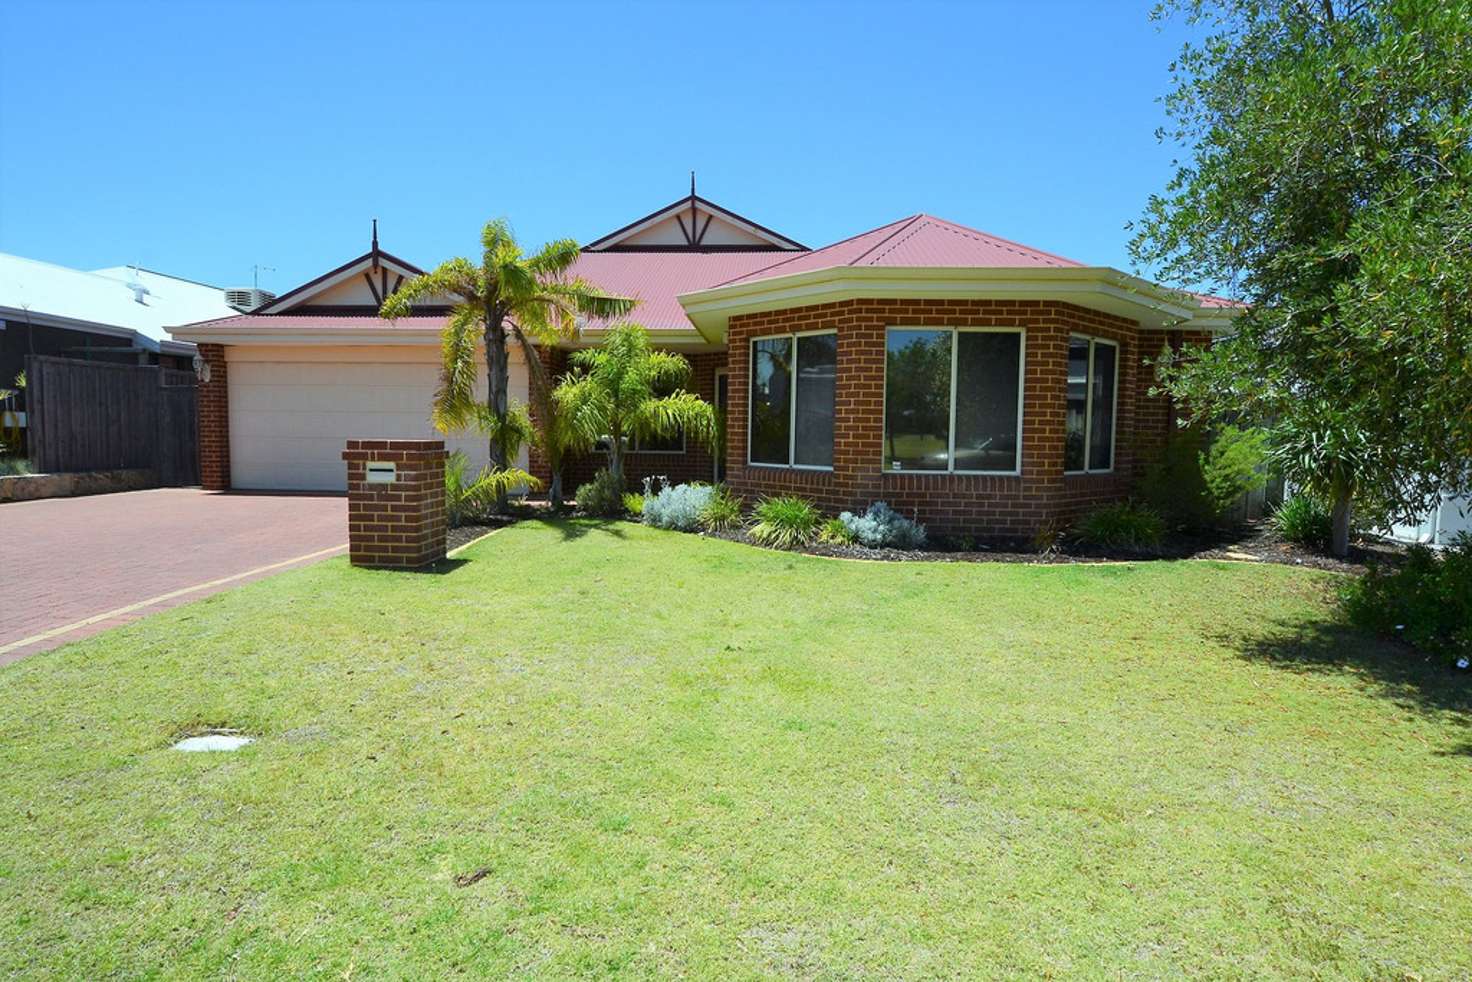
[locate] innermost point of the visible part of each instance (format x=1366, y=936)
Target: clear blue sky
x=200, y=139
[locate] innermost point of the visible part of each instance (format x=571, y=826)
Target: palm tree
x=528, y=299
x=615, y=391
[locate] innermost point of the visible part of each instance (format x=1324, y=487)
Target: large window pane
x=917, y=396
x=817, y=371
x=771, y=388
x=986, y=400
x=1101, y=421
x=1078, y=399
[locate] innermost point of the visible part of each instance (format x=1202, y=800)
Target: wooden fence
x=96, y=416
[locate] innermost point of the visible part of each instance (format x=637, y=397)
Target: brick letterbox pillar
x=396, y=502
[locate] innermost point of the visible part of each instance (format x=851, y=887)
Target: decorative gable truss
x=358, y=284
x=694, y=224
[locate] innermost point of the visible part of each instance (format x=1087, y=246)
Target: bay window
x=953, y=400
x=1093, y=384
x=793, y=384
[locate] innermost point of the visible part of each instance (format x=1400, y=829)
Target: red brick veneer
x=214, y=421
x=399, y=525
x=995, y=506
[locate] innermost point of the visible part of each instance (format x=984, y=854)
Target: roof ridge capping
x=1011, y=245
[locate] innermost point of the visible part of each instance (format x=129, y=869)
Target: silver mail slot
x=382, y=473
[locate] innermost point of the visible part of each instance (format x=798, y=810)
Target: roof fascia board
x=263, y=335
x=1119, y=292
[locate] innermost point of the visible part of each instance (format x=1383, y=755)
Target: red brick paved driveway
x=65, y=560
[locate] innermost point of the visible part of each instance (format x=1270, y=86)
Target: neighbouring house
x=985, y=386
x=115, y=315
x=1452, y=517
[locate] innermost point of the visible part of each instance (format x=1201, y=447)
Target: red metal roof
x=920, y=240
x=656, y=279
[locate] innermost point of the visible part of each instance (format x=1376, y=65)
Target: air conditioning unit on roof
x=245, y=299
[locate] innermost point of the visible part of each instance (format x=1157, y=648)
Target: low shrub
x=602, y=496
x=13, y=466
x=1047, y=540
x=677, y=507
x=466, y=496
x=786, y=522
x=722, y=512
x=881, y=527
x=634, y=503
x=1304, y=519
x=1123, y=525
x=1233, y=465
x=1196, y=480
x=835, y=533
x=1427, y=601
x=1174, y=486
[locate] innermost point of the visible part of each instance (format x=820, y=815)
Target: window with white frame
x=793, y=383
x=953, y=400
x=1093, y=390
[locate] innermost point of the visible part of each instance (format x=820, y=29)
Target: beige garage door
x=292, y=409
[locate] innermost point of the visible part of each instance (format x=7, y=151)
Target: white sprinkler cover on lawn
x=212, y=741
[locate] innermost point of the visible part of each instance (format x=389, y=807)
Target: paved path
x=87, y=564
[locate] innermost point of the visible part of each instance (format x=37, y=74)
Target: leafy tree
x=1329, y=185
x=625, y=389
x=527, y=299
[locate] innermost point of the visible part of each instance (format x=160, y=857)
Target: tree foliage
x=509, y=296
x=1328, y=183
x=624, y=389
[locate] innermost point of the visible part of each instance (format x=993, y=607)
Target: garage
x=291, y=408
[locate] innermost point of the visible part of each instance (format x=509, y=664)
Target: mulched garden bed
x=469, y=532
x=1255, y=542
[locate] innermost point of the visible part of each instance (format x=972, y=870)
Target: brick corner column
x=213, y=397
x=554, y=364
x=398, y=523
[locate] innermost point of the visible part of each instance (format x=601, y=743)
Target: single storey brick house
x=981, y=385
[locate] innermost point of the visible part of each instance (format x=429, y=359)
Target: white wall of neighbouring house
x=292, y=408
x=1441, y=525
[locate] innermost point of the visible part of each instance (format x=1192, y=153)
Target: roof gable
x=361, y=282
x=693, y=224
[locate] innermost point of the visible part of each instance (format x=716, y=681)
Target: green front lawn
x=686, y=756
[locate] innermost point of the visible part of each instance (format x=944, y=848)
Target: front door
x=722, y=390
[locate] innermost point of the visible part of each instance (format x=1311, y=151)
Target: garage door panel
x=289, y=419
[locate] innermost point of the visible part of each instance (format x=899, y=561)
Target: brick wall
x=986, y=505
x=214, y=421
x=399, y=525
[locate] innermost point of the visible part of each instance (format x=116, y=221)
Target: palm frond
x=511, y=431
x=686, y=411
x=453, y=277
x=668, y=370
x=588, y=300
x=498, y=244
x=454, y=396
x=554, y=259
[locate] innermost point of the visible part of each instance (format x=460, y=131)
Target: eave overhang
x=20, y=316
x=1095, y=287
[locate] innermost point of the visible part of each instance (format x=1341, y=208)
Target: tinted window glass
x=771, y=388
x=817, y=370
x=986, y=400
x=917, y=396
